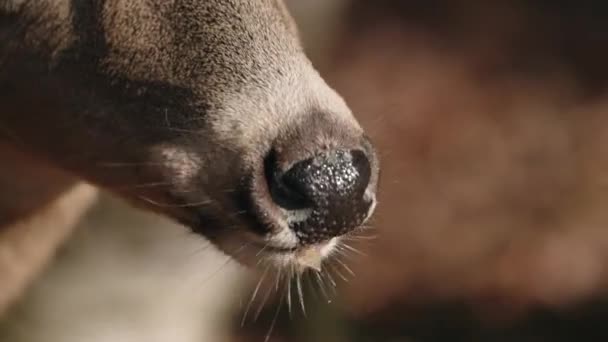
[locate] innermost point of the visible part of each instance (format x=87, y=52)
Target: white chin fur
x=251, y=251
x=311, y=257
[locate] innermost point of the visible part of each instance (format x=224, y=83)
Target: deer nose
x=325, y=196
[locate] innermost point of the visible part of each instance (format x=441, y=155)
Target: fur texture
x=173, y=105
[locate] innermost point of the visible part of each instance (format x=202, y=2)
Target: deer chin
x=271, y=252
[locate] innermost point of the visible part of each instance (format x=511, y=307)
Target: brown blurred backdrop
x=491, y=120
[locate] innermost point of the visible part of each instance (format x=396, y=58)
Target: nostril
x=361, y=164
x=285, y=189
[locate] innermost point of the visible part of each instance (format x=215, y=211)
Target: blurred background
x=491, y=120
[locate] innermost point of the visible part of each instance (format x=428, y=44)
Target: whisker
x=167, y=121
x=260, y=257
x=300, y=293
x=353, y=249
x=168, y=205
x=126, y=164
x=331, y=281
x=262, y=250
x=183, y=130
x=321, y=283
x=229, y=258
x=360, y=237
x=274, y=320
x=255, y=292
x=199, y=250
x=343, y=252
x=345, y=266
x=336, y=271
x=311, y=284
x=264, y=300
x=140, y=186
x=289, y=279
x=278, y=279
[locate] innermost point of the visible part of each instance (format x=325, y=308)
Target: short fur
x=171, y=104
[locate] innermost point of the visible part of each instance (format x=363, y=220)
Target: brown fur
x=172, y=105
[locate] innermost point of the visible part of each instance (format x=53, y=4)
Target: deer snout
x=326, y=195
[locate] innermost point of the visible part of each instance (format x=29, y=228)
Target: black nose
x=324, y=196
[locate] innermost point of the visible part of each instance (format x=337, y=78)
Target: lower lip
x=325, y=248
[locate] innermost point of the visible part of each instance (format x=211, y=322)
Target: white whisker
x=352, y=249
x=301, y=293
x=321, y=285
x=336, y=271
x=253, y=296
x=274, y=320
x=331, y=281
x=289, y=279
x=264, y=300
x=345, y=266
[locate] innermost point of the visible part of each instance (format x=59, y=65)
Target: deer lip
x=301, y=258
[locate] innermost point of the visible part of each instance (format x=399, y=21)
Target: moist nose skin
x=325, y=196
